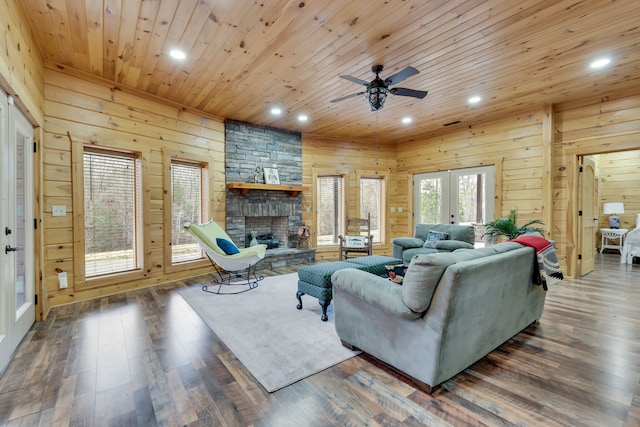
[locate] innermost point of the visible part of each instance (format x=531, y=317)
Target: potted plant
x=508, y=228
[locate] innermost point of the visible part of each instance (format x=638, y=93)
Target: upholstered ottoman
x=315, y=280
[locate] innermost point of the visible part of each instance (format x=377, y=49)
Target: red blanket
x=548, y=270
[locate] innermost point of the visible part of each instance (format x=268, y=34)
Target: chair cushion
x=208, y=233
x=227, y=246
x=355, y=241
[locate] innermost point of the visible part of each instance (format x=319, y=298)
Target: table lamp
x=613, y=209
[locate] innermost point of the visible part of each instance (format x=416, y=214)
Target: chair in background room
x=357, y=238
x=238, y=263
x=631, y=246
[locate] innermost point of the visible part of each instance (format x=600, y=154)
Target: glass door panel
x=429, y=200
x=20, y=223
x=17, y=284
x=462, y=196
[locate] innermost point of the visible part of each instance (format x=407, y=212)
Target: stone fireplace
x=264, y=211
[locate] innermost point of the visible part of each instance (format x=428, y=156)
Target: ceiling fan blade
x=353, y=95
x=355, y=80
x=401, y=76
x=403, y=91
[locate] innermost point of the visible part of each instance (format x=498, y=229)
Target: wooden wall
x=350, y=159
x=514, y=145
x=607, y=124
x=82, y=110
x=20, y=61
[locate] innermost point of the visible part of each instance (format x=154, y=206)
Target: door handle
x=8, y=249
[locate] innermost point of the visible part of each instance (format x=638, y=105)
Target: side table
x=609, y=234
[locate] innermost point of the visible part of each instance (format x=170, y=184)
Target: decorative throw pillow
x=434, y=237
x=227, y=247
x=396, y=272
x=355, y=241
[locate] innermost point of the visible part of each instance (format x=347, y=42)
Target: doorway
x=17, y=283
x=460, y=196
x=602, y=177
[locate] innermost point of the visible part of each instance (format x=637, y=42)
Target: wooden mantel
x=244, y=188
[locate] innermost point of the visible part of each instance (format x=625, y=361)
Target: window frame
x=80, y=280
x=171, y=156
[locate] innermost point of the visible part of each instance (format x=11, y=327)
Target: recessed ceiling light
x=303, y=117
x=407, y=120
x=276, y=111
x=599, y=63
x=177, y=54
x=474, y=100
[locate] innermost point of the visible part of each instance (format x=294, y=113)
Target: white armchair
x=631, y=246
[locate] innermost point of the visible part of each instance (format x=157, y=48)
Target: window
x=187, y=186
x=112, y=212
x=330, y=196
x=371, y=202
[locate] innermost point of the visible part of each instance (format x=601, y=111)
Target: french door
x=17, y=292
x=461, y=196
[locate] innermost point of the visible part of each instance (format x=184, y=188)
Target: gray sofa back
x=475, y=301
x=464, y=233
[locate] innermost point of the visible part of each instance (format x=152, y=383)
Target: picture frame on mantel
x=271, y=176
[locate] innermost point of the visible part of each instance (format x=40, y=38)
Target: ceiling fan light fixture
x=377, y=96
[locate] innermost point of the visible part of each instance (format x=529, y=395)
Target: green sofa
x=451, y=310
x=458, y=237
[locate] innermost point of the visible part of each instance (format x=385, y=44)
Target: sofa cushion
x=456, y=232
x=408, y=254
x=408, y=242
x=505, y=247
x=425, y=271
x=452, y=245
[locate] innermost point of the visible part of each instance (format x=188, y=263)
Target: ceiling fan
x=377, y=89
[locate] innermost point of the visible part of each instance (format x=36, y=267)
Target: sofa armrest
x=408, y=242
x=375, y=290
x=402, y=243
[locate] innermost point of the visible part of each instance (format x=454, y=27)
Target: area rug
x=276, y=342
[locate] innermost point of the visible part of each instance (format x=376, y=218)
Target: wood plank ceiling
x=245, y=56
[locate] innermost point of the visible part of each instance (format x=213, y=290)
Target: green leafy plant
x=508, y=227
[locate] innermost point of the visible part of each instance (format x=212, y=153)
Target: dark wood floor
x=145, y=358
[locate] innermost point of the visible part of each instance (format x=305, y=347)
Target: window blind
x=329, y=209
x=111, y=186
x=186, y=207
